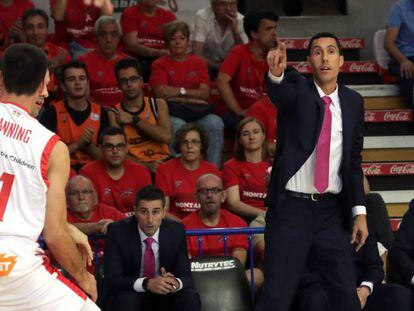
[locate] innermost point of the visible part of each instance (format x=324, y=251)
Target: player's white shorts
x=28, y=283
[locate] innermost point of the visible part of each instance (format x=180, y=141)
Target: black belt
x=312, y=196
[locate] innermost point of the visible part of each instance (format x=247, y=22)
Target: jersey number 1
x=7, y=182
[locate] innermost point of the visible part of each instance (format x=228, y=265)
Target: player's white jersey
x=25, y=146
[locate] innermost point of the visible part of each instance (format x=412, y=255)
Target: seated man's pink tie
x=149, y=258
x=321, y=179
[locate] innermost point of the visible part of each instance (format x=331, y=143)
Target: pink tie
x=321, y=180
x=149, y=258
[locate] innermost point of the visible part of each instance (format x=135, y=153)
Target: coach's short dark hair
x=149, y=193
x=34, y=12
x=72, y=64
x=126, y=63
x=324, y=35
x=252, y=20
x=24, y=68
x=112, y=131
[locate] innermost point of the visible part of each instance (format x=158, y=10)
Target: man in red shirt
x=101, y=62
x=84, y=211
x=241, y=80
x=210, y=195
x=11, y=12
x=74, y=22
x=116, y=179
x=143, y=32
x=35, y=27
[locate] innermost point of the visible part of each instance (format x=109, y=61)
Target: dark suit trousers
x=389, y=297
x=301, y=231
x=183, y=300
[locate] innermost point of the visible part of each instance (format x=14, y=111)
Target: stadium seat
x=221, y=283
x=382, y=57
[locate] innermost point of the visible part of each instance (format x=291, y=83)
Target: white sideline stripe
x=388, y=142
x=396, y=196
x=376, y=90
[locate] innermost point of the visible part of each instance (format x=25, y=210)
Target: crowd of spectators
x=131, y=100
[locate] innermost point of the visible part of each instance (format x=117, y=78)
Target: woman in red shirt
x=182, y=80
x=246, y=175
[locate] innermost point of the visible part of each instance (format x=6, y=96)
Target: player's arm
x=223, y=85
x=94, y=227
x=162, y=131
x=56, y=230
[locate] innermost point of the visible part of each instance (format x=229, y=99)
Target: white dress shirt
x=216, y=44
x=302, y=181
x=155, y=248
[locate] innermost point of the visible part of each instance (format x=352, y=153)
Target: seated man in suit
x=146, y=263
x=373, y=294
x=402, y=250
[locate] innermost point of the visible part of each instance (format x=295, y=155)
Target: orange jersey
x=70, y=132
x=143, y=148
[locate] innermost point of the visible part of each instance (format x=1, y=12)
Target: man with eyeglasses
x=145, y=120
x=115, y=178
x=210, y=195
x=84, y=211
x=75, y=119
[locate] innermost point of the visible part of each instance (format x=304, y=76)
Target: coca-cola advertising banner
x=378, y=169
x=397, y=115
x=120, y=5
x=348, y=67
x=302, y=43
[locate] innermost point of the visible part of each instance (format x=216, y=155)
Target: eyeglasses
x=133, y=79
x=193, y=142
x=206, y=191
x=83, y=192
x=111, y=147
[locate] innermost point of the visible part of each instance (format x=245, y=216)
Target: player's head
x=261, y=27
x=149, y=208
x=210, y=194
x=35, y=26
x=114, y=146
x=81, y=196
x=325, y=58
x=24, y=70
x=128, y=75
x=74, y=79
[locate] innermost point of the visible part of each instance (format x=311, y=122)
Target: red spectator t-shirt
x=180, y=183
x=118, y=193
x=248, y=75
x=251, y=179
x=189, y=73
x=213, y=245
x=265, y=111
x=104, y=88
x=9, y=15
x=149, y=28
x=78, y=24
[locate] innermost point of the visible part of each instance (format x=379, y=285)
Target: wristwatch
x=183, y=92
x=136, y=119
x=145, y=284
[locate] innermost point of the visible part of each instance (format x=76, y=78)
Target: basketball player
x=34, y=168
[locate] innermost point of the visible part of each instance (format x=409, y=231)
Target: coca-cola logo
x=370, y=116
x=362, y=67
x=305, y=44
x=374, y=169
x=355, y=43
x=399, y=116
x=406, y=169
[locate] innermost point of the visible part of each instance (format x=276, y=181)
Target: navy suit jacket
x=402, y=250
x=122, y=260
x=300, y=115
